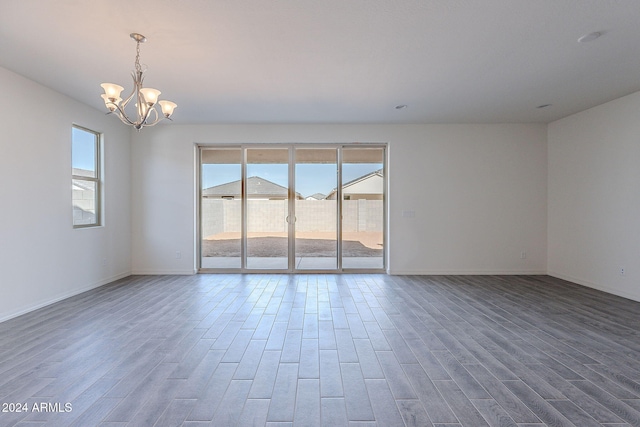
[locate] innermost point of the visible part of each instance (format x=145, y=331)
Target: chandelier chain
x=138, y=68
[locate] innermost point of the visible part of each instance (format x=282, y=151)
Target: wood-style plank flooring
x=325, y=350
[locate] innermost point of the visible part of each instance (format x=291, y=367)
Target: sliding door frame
x=291, y=219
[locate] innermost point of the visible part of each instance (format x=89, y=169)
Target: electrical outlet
x=104, y=262
x=523, y=255
x=623, y=271
x=178, y=255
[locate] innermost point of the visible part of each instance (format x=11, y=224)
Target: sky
x=82, y=149
x=311, y=178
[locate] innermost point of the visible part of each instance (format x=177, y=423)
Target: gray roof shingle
x=256, y=187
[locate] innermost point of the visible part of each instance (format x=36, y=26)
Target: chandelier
x=145, y=98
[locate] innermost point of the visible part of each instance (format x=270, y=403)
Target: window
x=85, y=177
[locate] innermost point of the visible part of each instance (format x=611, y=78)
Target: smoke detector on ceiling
x=589, y=37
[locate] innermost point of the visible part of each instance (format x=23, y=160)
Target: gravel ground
x=278, y=247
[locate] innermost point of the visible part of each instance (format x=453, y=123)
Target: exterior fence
x=219, y=216
x=84, y=206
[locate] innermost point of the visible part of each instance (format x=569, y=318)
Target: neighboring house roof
x=362, y=178
x=317, y=196
x=256, y=187
x=81, y=185
x=357, y=180
x=83, y=172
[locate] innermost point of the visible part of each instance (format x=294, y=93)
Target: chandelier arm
x=141, y=109
x=143, y=119
x=157, y=118
x=137, y=85
x=129, y=98
x=125, y=120
x=154, y=123
x=123, y=116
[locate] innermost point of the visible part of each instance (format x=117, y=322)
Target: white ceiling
x=335, y=61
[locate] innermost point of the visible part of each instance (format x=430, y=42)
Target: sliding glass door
x=267, y=208
x=221, y=208
x=363, y=208
x=287, y=207
x=316, y=217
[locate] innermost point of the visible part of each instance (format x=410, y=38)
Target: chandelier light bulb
x=112, y=91
x=167, y=107
x=111, y=103
x=150, y=95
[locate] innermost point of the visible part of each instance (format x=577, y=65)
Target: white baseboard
x=163, y=272
x=30, y=308
x=603, y=288
x=466, y=272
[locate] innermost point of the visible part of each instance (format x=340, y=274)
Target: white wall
x=481, y=194
x=594, y=197
x=42, y=258
x=478, y=192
